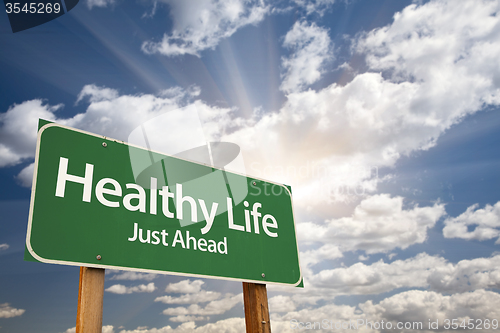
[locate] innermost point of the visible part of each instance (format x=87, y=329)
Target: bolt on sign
x=89, y=208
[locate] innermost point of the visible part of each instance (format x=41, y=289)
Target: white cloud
x=451, y=48
x=435, y=64
x=466, y=275
x=132, y=276
x=281, y=303
x=420, y=306
x=25, y=177
x=230, y=325
x=486, y=221
x=378, y=224
x=376, y=278
x=121, y=289
x=200, y=25
x=186, y=327
x=6, y=311
x=311, y=47
x=310, y=258
x=421, y=271
x=198, y=297
x=105, y=329
x=216, y=307
x=99, y=3
x=4, y=246
x=413, y=307
x=183, y=318
x=18, y=130
x=97, y=94
x=285, y=322
x=185, y=287
x=193, y=295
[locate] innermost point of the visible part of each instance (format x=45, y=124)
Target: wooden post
x=256, y=308
x=90, y=296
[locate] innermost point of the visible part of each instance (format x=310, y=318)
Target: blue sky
x=381, y=115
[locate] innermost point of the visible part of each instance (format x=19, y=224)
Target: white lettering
x=222, y=244
x=178, y=239
x=155, y=234
x=100, y=190
x=164, y=235
x=209, y=218
x=248, y=227
x=212, y=246
x=165, y=194
x=266, y=225
x=134, y=237
x=202, y=243
x=148, y=239
x=140, y=195
x=188, y=238
x=180, y=200
x=152, y=195
x=62, y=177
x=256, y=216
x=231, y=224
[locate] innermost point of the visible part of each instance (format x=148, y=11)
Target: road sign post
x=90, y=300
x=256, y=308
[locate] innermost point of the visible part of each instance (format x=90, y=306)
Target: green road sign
x=100, y=202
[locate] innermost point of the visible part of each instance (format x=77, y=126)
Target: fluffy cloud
x=413, y=308
x=200, y=25
x=121, y=289
x=428, y=44
x=486, y=221
x=97, y=94
x=25, y=177
x=4, y=247
x=193, y=294
x=105, y=329
x=310, y=46
x=132, y=276
x=18, y=130
x=216, y=307
x=183, y=318
x=230, y=325
x=281, y=303
x=185, y=287
x=378, y=224
x=420, y=306
x=200, y=297
x=6, y=311
x=421, y=271
x=466, y=275
x=378, y=277
x=435, y=64
x=311, y=257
